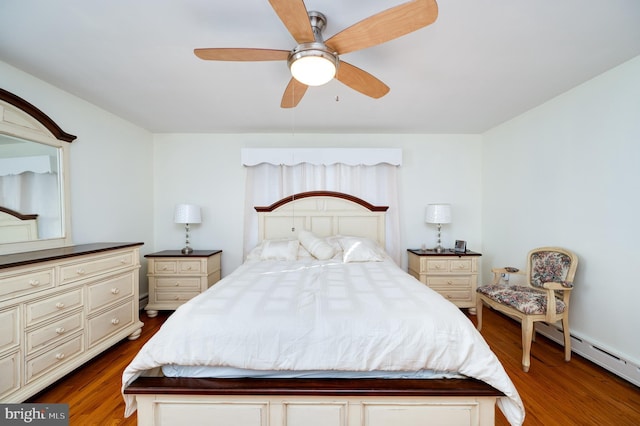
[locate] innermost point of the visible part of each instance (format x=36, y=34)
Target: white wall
x=206, y=170
x=111, y=164
x=567, y=173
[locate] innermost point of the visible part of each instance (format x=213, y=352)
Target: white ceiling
x=482, y=62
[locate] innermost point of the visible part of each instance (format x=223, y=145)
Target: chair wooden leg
x=567, y=338
x=527, y=330
x=479, y=314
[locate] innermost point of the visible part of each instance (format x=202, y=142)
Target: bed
x=318, y=327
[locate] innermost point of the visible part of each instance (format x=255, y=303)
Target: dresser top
x=445, y=252
x=178, y=253
x=30, y=257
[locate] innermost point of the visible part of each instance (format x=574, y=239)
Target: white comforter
x=324, y=315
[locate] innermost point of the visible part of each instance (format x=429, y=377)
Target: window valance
x=321, y=156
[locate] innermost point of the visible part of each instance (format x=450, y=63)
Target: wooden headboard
x=16, y=227
x=324, y=213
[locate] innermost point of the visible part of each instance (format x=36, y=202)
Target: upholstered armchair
x=549, y=278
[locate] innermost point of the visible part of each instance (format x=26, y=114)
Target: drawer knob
x=123, y=261
x=60, y=305
x=115, y=290
x=34, y=283
x=60, y=330
x=115, y=321
x=176, y=298
x=164, y=268
x=437, y=266
x=188, y=268
x=177, y=283
x=448, y=296
x=59, y=356
x=80, y=271
x=449, y=282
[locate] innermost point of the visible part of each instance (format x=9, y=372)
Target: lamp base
x=187, y=250
x=439, y=249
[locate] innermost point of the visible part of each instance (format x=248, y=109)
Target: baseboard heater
x=605, y=359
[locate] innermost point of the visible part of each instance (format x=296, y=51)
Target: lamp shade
x=438, y=213
x=187, y=213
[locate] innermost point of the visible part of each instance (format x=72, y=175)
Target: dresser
x=175, y=277
x=453, y=275
x=61, y=307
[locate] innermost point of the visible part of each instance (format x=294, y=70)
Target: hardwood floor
x=554, y=392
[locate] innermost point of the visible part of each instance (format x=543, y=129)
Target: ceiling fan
x=314, y=61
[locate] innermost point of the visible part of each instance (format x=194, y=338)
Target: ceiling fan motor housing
x=316, y=53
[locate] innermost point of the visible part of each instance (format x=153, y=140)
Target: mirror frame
x=20, y=119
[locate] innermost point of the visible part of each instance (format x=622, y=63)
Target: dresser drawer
x=177, y=283
x=110, y=322
x=22, y=284
x=96, y=266
x=173, y=267
x=53, y=358
x=9, y=373
x=110, y=291
x=43, y=336
x=54, y=305
x=9, y=328
x=174, y=296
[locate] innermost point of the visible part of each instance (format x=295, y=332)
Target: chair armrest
x=558, y=286
x=504, y=271
x=497, y=273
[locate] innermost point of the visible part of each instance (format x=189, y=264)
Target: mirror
x=34, y=201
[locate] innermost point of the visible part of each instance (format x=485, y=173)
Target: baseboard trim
x=604, y=358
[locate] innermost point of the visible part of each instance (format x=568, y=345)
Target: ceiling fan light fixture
x=313, y=66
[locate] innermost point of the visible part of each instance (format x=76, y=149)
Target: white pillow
x=275, y=250
x=356, y=249
x=279, y=250
x=318, y=247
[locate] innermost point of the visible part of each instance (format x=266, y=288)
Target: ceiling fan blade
x=293, y=93
x=241, y=54
x=385, y=26
x=294, y=16
x=361, y=81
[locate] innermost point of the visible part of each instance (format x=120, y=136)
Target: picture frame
x=460, y=247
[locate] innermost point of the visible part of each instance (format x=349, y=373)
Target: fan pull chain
x=293, y=213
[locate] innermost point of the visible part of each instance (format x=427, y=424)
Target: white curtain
x=34, y=193
x=376, y=184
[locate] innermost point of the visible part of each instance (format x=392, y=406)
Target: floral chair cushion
x=527, y=300
x=549, y=266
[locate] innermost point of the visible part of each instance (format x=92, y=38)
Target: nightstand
x=453, y=275
x=175, y=278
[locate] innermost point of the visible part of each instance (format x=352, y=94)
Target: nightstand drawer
x=177, y=283
x=449, y=281
x=175, y=267
x=175, y=296
x=448, y=265
x=457, y=296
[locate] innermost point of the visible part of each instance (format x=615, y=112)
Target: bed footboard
x=311, y=402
